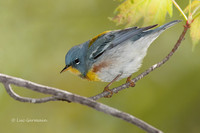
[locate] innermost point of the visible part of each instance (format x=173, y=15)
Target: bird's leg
x=131, y=83
x=107, y=87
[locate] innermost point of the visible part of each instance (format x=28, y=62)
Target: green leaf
x=130, y=12
x=195, y=31
x=194, y=9
x=151, y=11
x=193, y=6
x=157, y=10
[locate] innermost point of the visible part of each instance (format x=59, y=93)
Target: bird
x=113, y=55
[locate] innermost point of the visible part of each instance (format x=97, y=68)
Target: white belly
x=123, y=59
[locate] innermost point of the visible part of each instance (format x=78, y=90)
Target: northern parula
x=112, y=55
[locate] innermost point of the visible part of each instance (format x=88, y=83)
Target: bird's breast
x=92, y=76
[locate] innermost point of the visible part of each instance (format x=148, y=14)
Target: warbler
x=112, y=55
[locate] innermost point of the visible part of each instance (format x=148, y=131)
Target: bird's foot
x=131, y=83
x=106, y=89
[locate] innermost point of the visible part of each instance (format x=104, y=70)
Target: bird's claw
x=131, y=83
x=106, y=89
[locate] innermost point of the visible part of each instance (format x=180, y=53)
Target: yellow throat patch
x=91, y=76
x=73, y=70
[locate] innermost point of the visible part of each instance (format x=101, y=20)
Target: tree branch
x=58, y=94
x=153, y=67
x=26, y=99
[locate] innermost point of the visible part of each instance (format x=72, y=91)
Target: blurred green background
x=35, y=35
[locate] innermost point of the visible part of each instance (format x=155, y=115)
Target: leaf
x=157, y=10
x=195, y=31
x=151, y=11
x=129, y=12
x=193, y=6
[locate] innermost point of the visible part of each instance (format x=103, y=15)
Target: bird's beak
x=65, y=68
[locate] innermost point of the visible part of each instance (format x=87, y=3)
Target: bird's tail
x=151, y=35
x=166, y=26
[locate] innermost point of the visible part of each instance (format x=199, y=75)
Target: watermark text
x=29, y=120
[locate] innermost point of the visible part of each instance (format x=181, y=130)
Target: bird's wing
x=103, y=42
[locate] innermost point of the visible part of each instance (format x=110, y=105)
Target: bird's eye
x=76, y=61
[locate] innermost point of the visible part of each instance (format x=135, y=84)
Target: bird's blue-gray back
x=112, y=39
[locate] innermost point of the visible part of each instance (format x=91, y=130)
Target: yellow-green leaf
x=130, y=12
x=193, y=6
x=157, y=10
x=151, y=11
x=170, y=8
x=195, y=31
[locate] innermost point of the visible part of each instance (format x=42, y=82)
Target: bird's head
x=75, y=60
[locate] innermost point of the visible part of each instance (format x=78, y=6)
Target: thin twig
x=26, y=99
x=58, y=94
x=124, y=86
x=180, y=10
